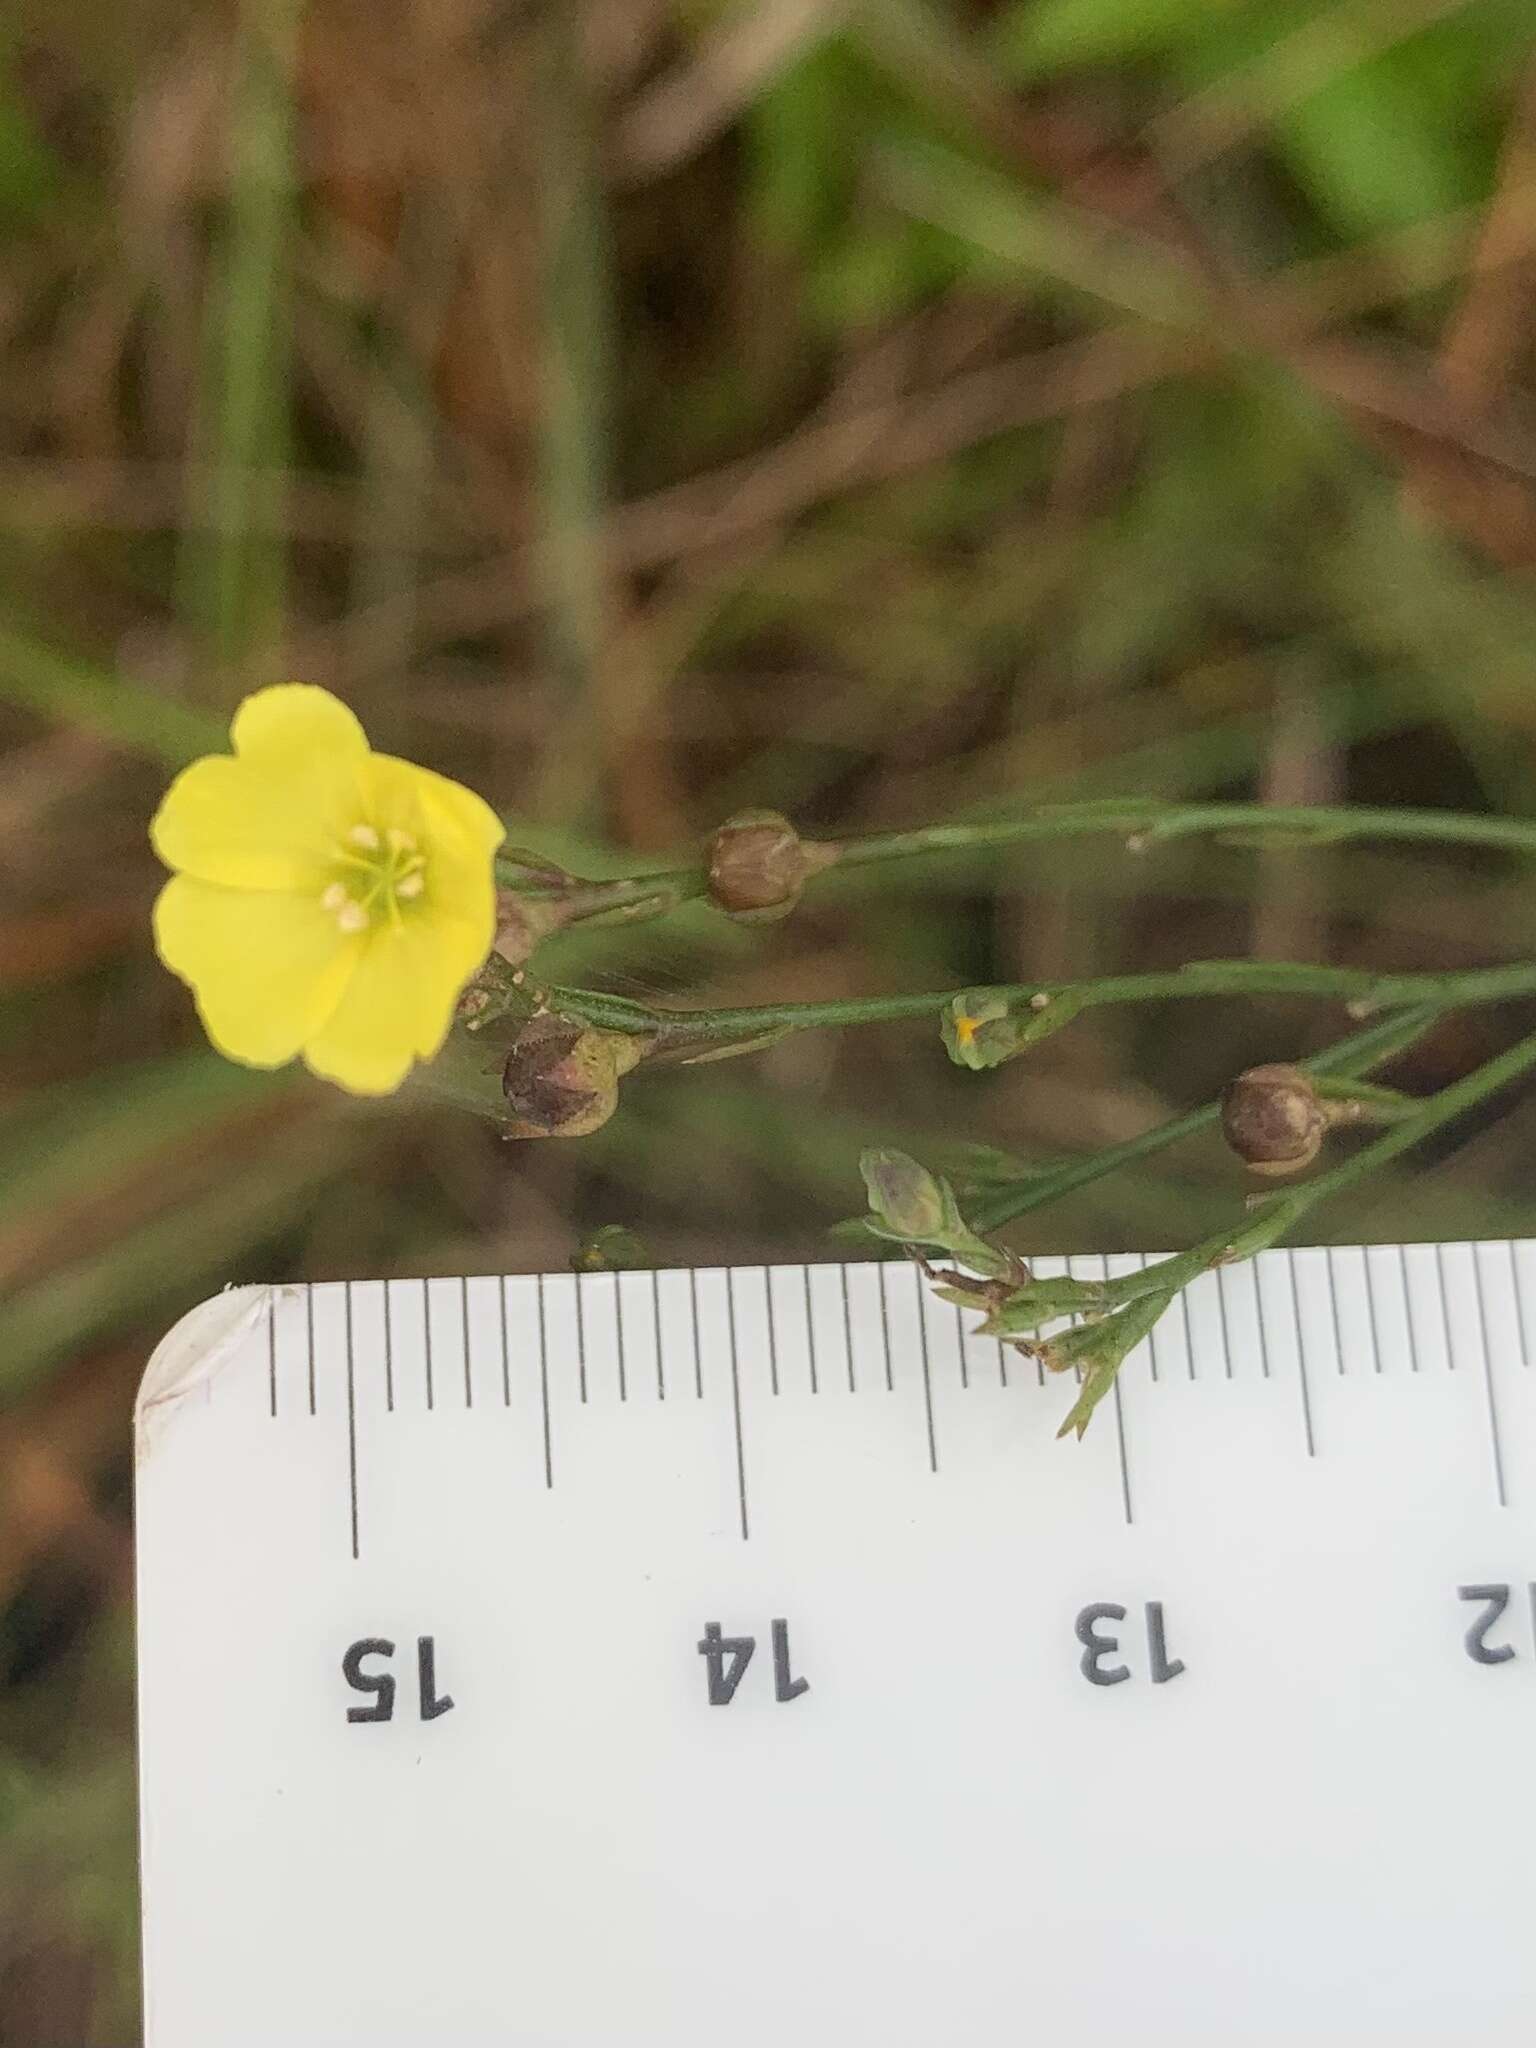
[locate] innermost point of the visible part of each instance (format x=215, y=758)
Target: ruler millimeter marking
x=600, y=1309
x=840, y=1697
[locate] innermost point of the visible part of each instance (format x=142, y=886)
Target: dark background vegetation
x=642, y=409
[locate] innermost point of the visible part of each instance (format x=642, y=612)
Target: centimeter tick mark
x=549, y=1462
x=618, y=1324
x=272, y=1354
x=309, y=1324
x=1125, y=1469
x=581, y=1340
x=351, y=1419
x=1301, y=1357
x=965, y=1377
x=922, y=1335
x=741, y=1454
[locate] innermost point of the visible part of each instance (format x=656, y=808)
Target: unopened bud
x=1275, y=1120
x=758, y=865
x=561, y=1078
x=981, y=1028
x=904, y=1198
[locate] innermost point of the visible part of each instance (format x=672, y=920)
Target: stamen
x=334, y=897
x=352, y=917
x=411, y=885
x=400, y=842
x=365, y=836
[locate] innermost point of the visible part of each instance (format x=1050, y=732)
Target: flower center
x=384, y=871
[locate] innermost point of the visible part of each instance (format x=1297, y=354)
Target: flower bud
x=904, y=1198
x=982, y=1029
x=1274, y=1119
x=561, y=1078
x=758, y=865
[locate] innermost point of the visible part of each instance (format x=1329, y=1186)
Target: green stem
x=1150, y=821
x=1278, y=1214
x=1439, y=1109
x=1145, y=822
x=1351, y=1056
x=1201, y=978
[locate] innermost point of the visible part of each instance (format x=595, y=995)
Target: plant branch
x=1142, y=822
x=1351, y=1056
x=1275, y=1215
x=1361, y=986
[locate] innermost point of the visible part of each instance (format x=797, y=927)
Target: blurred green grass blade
x=77, y=1139
x=70, y=692
x=1032, y=38
x=165, y=1265
x=234, y=564
x=803, y=138
x=1031, y=231
x=1374, y=154
x=575, y=411
x=31, y=176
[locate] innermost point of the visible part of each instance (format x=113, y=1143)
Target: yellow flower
x=325, y=900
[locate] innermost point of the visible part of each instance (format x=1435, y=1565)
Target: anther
x=410, y=885
x=352, y=917
x=364, y=836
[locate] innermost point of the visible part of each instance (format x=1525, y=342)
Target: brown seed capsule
x=1274, y=1119
x=561, y=1078
x=758, y=864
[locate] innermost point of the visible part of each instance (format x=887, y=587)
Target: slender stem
x=1143, y=822
x=1148, y=821
x=1278, y=1214
x=1438, y=1109
x=1201, y=978
x=1350, y=1056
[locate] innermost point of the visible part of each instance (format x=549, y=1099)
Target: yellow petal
x=287, y=724
x=226, y=821
x=397, y=1006
x=267, y=969
x=269, y=818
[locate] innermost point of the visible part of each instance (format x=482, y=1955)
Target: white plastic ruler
x=735, y=1657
